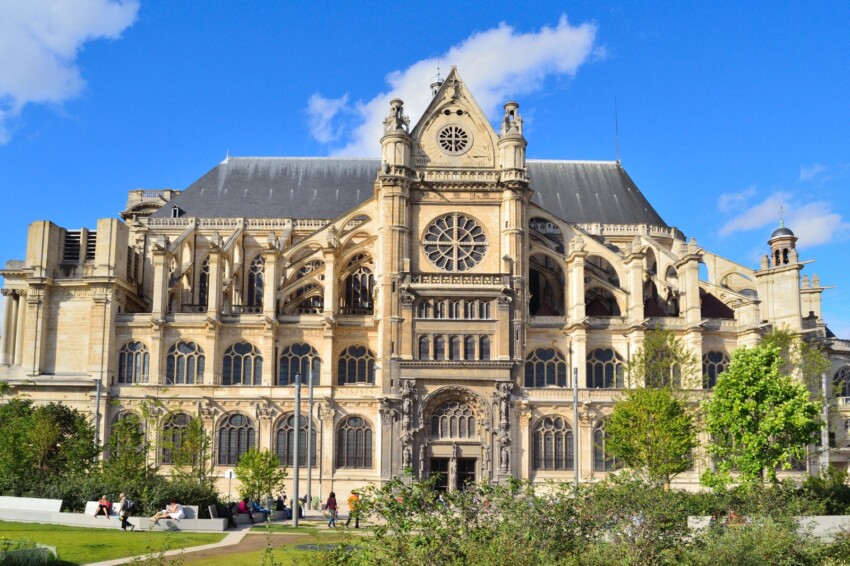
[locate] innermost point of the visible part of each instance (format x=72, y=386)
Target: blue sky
x=726, y=109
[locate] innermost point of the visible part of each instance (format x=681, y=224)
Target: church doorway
x=440, y=469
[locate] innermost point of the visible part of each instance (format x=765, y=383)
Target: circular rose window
x=455, y=242
x=454, y=140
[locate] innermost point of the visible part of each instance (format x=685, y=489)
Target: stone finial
x=396, y=121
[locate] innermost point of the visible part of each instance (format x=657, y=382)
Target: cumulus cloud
x=809, y=172
x=813, y=222
x=39, y=44
x=481, y=60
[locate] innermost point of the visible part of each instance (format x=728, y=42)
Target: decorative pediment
x=454, y=132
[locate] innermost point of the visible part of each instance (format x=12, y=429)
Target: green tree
x=260, y=473
x=653, y=433
x=662, y=361
x=128, y=450
x=192, y=457
x=758, y=418
x=800, y=358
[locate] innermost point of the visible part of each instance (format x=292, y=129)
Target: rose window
x=454, y=140
x=455, y=242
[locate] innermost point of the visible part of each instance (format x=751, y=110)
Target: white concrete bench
x=91, y=508
x=30, y=504
x=244, y=518
x=819, y=526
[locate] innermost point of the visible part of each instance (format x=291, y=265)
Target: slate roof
x=326, y=187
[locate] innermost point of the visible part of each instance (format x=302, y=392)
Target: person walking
x=124, y=512
x=353, y=510
x=331, y=506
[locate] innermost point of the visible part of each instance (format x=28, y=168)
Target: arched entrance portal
x=455, y=443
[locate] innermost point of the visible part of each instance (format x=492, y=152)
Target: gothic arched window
x=236, y=435
x=484, y=348
x=357, y=298
x=354, y=443
x=173, y=434
x=440, y=348
x=604, y=369
x=255, y=282
x=602, y=461
x=453, y=419
x=469, y=348
x=841, y=382
x=454, y=348
x=713, y=364
x=133, y=363
x=285, y=438
x=553, y=444
x=184, y=364
x=424, y=347
x=243, y=365
x=299, y=358
x=356, y=365
x=546, y=366
x=204, y=283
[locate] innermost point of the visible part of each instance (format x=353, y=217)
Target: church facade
x=446, y=300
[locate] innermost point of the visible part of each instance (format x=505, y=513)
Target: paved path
x=232, y=538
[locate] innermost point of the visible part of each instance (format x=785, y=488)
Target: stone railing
x=459, y=279
x=598, y=229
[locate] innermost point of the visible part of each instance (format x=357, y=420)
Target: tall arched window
x=602, y=461
x=356, y=365
x=424, y=347
x=173, y=433
x=453, y=419
x=299, y=358
x=243, y=365
x=713, y=364
x=484, y=348
x=236, y=435
x=604, y=369
x=454, y=348
x=440, y=348
x=358, y=287
x=469, y=348
x=184, y=364
x=553, y=444
x=546, y=366
x=255, y=282
x=133, y=363
x=204, y=283
x=354, y=443
x=285, y=438
x=841, y=382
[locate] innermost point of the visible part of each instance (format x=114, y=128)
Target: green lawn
x=285, y=553
x=79, y=545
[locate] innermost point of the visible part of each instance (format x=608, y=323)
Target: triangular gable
x=454, y=132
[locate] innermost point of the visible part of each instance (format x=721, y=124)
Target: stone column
x=6, y=347
x=524, y=441
x=15, y=339
x=20, y=327
x=327, y=412
x=37, y=303
x=575, y=275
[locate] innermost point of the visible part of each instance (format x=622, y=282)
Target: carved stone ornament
x=11, y=292
x=265, y=411
x=388, y=414
x=407, y=299
x=207, y=410
x=504, y=301
x=503, y=396
x=525, y=416
x=586, y=415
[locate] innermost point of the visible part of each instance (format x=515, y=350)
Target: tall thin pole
x=824, y=434
x=575, y=425
x=310, y=441
x=295, y=501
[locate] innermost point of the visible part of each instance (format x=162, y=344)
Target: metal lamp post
x=310, y=438
x=296, y=501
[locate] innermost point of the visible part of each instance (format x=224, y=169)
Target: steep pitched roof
x=299, y=187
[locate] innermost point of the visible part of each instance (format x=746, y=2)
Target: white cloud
x=321, y=112
x=813, y=223
x=39, y=44
x=729, y=202
x=496, y=64
x=809, y=172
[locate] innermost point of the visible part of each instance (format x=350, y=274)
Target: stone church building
x=444, y=298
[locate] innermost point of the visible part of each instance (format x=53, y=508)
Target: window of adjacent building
x=453, y=419
x=602, y=460
x=184, y=364
x=841, y=382
x=713, y=364
x=243, y=365
x=236, y=435
x=357, y=297
x=299, y=358
x=544, y=367
x=356, y=365
x=553, y=444
x=605, y=368
x=354, y=443
x=174, y=430
x=133, y=363
x=285, y=439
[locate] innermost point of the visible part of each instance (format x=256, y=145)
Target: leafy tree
x=260, y=473
x=652, y=432
x=128, y=453
x=758, y=418
x=800, y=358
x=192, y=458
x=662, y=361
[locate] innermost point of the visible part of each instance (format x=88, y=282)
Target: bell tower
x=779, y=280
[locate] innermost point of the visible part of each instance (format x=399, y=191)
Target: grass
x=284, y=553
x=80, y=545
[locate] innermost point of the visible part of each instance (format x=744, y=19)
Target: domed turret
x=782, y=246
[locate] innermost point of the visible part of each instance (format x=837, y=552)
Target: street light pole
x=575, y=425
x=295, y=501
x=310, y=440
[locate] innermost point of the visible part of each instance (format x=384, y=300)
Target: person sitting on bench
x=104, y=507
x=173, y=511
